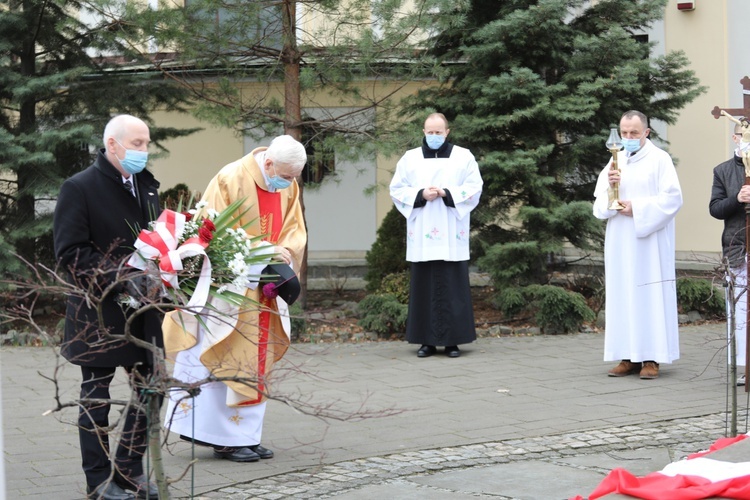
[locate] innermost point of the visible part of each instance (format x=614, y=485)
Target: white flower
x=222, y=289
x=237, y=265
x=201, y=204
x=212, y=214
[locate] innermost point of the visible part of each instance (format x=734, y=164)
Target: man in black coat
x=729, y=196
x=97, y=213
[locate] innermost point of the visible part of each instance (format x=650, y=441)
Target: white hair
x=286, y=150
x=117, y=126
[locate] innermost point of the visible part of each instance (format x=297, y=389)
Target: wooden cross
x=745, y=110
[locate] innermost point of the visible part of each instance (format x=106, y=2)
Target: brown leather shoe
x=650, y=370
x=624, y=368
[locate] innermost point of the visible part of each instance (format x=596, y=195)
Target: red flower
x=188, y=216
x=209, y=225
x=205, y=234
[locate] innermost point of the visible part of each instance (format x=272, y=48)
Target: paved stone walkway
x=347, y=479
x=532, y=417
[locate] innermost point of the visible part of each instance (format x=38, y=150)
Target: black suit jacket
x=729, y=177
x=96, y=221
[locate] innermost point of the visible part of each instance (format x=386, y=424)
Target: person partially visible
x=639, y=253
x=729, y=196
x=228, y=415
x=94, y=220
x=436, y=186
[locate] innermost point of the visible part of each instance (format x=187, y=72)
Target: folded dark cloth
x=280, y=279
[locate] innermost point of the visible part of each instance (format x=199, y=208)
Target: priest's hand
x=282, y=254
x=744, y=195
x=628, y=210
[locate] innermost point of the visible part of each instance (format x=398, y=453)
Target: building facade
x=342, y=220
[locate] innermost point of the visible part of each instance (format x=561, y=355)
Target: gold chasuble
x=258, y=339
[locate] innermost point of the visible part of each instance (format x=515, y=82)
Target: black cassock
x=440, y=309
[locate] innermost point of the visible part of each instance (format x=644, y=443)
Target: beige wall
x=195, y=159
x=698, y=141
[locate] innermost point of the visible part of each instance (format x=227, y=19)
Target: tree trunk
x=291, y=57
x=154, y=435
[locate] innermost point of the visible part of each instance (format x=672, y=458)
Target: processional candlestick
x=614, y=144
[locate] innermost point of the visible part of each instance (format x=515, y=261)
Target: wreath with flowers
x=200, y=252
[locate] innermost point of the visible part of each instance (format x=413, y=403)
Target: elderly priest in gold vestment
x=228, y=415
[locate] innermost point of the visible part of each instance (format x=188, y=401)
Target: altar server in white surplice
x=639, y=254
x=436, y=186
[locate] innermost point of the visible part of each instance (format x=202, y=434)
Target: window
x=321, y=157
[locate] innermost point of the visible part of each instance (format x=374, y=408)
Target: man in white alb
x=639, y=254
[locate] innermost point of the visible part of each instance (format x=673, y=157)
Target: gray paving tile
x=538, y=406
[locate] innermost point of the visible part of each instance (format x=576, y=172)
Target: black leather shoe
x=452, y=351
x=142, y=487
x=108, y=490
x=263, y=453
x=426, y=351
x=236, y=454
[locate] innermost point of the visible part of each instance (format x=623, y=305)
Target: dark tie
x=128, y=185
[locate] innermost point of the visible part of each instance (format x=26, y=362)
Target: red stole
x=269, y=213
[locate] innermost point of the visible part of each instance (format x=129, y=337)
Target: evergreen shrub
x=510, y=301
x=396, y=284
x=559, y=310
x=382, y=314
x=388, y=253
x=298, y=321
x=555, y=309
x=699, y=294
x=178, y=197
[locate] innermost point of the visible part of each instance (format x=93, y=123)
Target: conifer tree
x=321, y=71
x=61, y=79
x=532, y=88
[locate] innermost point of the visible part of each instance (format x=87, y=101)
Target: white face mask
x=744, y=147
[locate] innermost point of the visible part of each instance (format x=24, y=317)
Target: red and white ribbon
x=161, y=246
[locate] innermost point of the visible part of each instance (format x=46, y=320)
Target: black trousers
x=93, y=422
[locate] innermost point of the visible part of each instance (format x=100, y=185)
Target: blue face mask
x=134, y=161
x=632, y=145
x=277, y=182
x=434, y=141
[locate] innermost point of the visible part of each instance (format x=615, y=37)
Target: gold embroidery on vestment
x=266, y=223
x=185, y=407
